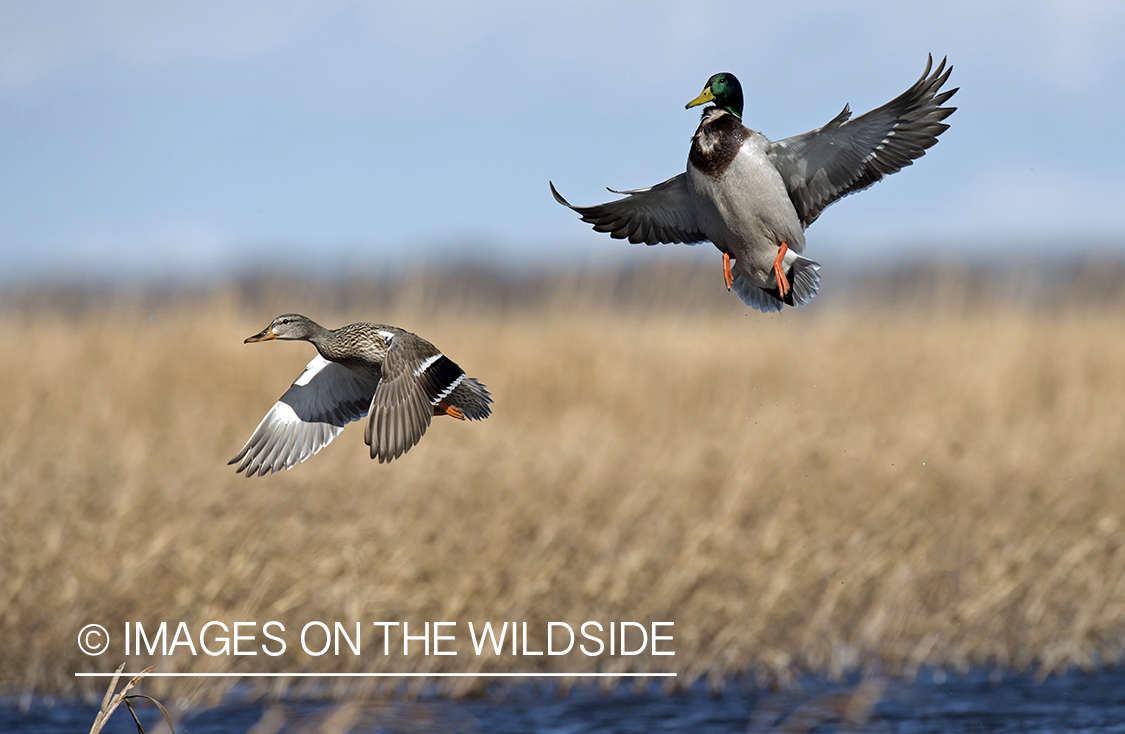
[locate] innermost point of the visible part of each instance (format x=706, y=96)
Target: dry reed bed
x=819, y=491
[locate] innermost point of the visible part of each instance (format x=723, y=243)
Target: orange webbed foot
x=727, y=275
x=444, y=408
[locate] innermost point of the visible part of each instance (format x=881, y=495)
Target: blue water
x=981, y=702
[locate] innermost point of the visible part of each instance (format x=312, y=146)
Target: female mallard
x=754, y=198
x=399, y=378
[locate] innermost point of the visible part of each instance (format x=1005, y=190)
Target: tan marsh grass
x=836, y=488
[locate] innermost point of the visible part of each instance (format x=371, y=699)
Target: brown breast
x=716, y=142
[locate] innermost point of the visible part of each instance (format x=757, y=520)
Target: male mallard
x=400, y=378
x=754, y=198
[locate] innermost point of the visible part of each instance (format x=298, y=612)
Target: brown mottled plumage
x=397, y=377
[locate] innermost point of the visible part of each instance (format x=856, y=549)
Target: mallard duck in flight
x=401, y=379
x=753, y=198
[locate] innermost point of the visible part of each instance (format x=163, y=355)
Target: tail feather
x=472, y=398
x=804, y=279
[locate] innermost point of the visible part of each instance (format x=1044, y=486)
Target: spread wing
x=416, y=376
x=324, y=398
x=846, y=156
x=663, y=213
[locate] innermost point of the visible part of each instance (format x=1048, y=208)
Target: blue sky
x=143, y=139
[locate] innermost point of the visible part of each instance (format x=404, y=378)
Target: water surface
x=934, y=702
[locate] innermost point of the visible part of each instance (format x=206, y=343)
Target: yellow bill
x=701, y=99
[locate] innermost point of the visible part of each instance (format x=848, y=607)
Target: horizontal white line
x=383, y=675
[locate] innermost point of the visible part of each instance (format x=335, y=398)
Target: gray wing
x=416, y=376
x=663, y=213
x=846, y=156
x=325, y=398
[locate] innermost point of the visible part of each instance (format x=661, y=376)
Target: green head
x=724, y=90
